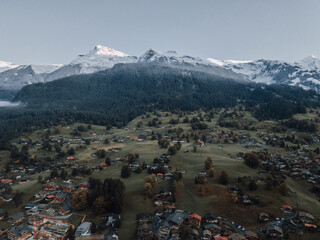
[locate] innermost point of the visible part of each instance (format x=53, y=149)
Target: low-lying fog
x=9, y=104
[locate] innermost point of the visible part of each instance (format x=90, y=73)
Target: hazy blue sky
x=56, y=31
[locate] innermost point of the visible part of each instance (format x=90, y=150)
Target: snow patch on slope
x=225, y=62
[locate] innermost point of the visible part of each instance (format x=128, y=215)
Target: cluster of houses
x=178, y=224
x=296, y=164
x=47, y=216
x=160, y=164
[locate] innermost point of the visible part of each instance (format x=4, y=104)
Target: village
x=161, y=161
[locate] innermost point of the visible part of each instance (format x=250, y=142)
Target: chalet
x=246, y=200
x=19, y=232
x=274, y=231
x=7, y=198
x=60, y=197
x=6, y=182
x=194, y=233
x=33, y=211
x=37, y=221
x=220, y=238
x=169, y=209
x=68, y=188
x=234, y=190
x=210, y=218
x=112, y=219
x=145, y=217
x=305, y=217
x=215, y=229
x=84, y=229
x=145, y=232
x=50, y=186
x=168, y=176
x=250, y=235
x=46, y=179
x=206, y=235
x=159, y=175
x=163, y=231
x=24, y=180
x=65, y=209
x=195, y=219
x=236, y=236
x=50, y=197
x=16, y=218
x=263, y=217
x=176, y=219
x=286, y=210
x=257, y=178
x=30, y=205
x=83, y=185
x=226, y=230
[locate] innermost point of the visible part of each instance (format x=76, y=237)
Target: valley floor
x=201, y=199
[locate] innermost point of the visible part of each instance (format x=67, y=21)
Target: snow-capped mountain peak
x=170, y=57
x=105, y=51
x=310, y=62
x=148, y=55
x=4, y=66
x=98, y=59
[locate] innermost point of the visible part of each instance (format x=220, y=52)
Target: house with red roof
x=83, y=185
x=194, y=218
x=68, y=188
x=286, y=210
x=6, y=182
x=51, y=186
x=60, y=197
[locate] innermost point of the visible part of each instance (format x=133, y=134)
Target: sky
x=56, y=31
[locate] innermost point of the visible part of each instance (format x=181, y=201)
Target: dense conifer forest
x=116, y=96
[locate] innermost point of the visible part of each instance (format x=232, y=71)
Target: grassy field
x=216, y=199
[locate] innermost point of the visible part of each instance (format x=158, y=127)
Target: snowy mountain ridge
x=18, y=77
x=98, y=59
x=304, y=73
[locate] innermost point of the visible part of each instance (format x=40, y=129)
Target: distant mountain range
x=304, y=73
x=107, y=87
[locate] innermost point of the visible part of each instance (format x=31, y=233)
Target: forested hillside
x=118, y=95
